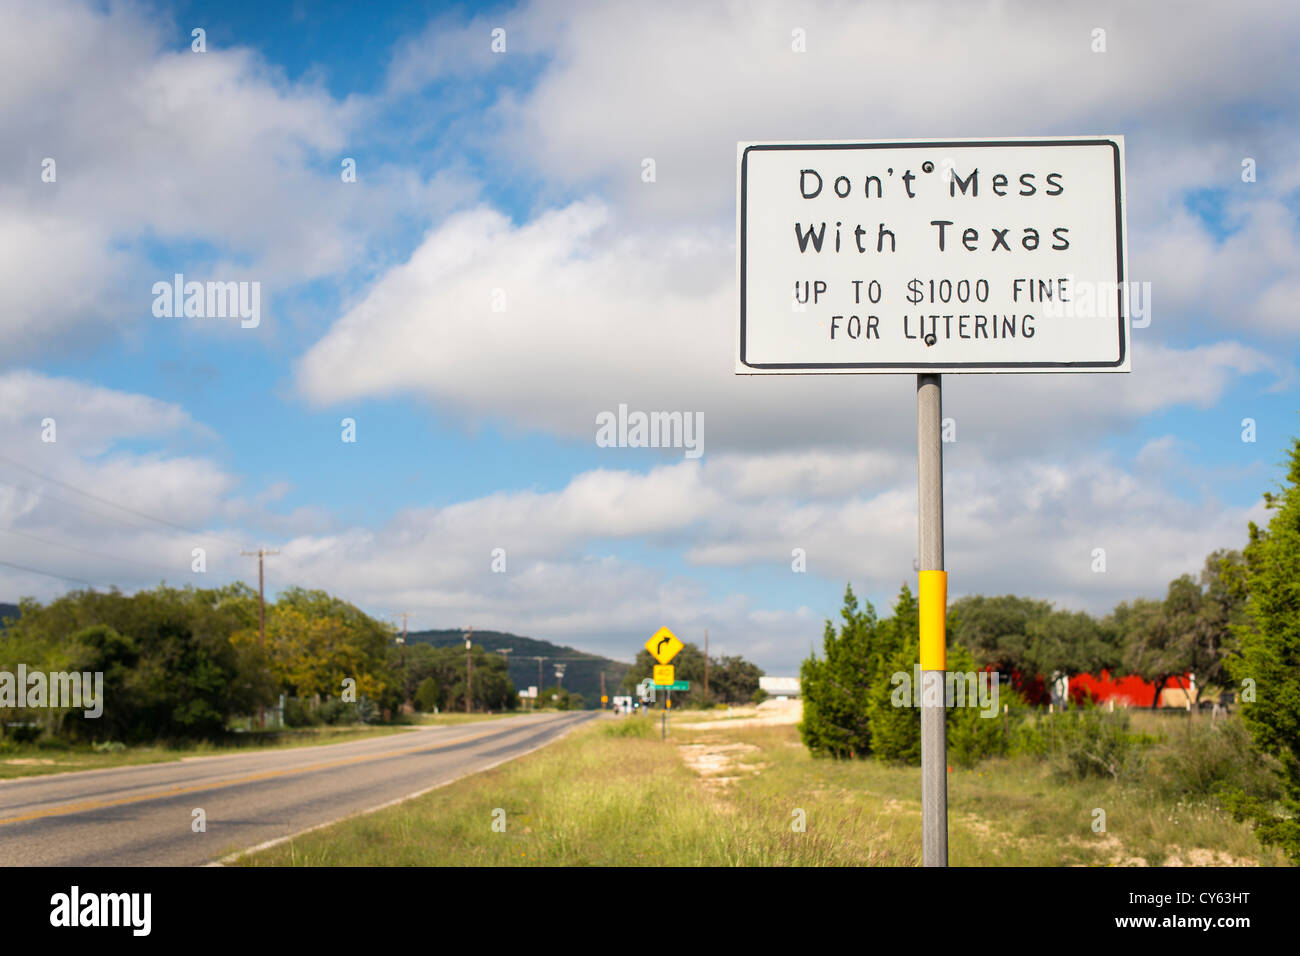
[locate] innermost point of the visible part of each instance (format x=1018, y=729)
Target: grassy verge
x=612, y=794
x=26, y=760
x=447, y=720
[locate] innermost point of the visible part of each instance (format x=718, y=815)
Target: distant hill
x=581, y=670
x=8, y=610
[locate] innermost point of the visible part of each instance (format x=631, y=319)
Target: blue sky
x=520, y=171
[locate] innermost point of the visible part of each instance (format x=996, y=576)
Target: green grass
x=27, y=760
x=451, y=719
x=612, y=794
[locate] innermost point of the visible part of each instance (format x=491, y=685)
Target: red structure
x=1127, y=691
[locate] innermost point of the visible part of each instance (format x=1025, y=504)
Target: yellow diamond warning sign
x=664, y=646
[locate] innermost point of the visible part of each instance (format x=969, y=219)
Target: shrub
x=23, y=733
x=336, y=712
x=630, y=727
x=1208, y=759
x=367, y=710
x=298, y=713
x=1094, y=743
x=427, y=695
x=972, y=737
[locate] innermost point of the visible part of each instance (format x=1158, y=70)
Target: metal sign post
x=932, y=600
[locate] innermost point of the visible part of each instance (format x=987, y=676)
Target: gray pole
x=934, y=745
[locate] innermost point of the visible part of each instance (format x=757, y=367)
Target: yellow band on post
x=934, y=609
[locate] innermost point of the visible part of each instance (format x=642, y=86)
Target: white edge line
x=231, y=858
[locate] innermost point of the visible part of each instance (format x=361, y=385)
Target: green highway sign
x=675, y=685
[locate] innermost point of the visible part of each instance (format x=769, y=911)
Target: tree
x=1191, y=630
x=170, y=668
x=560, y=698
x=998, y=631
x=731, y=679
x=1269, y=659
x=1151, y=649
x=315, y=641
x=835, y=688
x=896, y=730
x=427, y=695
x=1028, y=639
x=1069, y=642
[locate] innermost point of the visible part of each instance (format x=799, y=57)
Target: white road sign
x=947, y=256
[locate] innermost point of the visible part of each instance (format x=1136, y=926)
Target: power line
x=111, y=504
x=49, y=574
x=42, y=493
x=94, y=554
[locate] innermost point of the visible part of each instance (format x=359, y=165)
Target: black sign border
x=908, y=367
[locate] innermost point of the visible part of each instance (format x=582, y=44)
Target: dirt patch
x=770, y=713
x=717, y=761
x=32, y=762
x=1199, y=856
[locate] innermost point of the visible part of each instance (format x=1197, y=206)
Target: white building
x=782, y=688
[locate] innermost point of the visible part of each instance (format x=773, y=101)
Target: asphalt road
x=142, y=816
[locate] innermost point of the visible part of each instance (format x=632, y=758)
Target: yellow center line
x=267, y=775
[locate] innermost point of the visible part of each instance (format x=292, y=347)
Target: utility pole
x=261, y=603
x=402, y=640
x=261, y=612
x=539, y=660
x=469, y=671
x=933, y=599
x=706, y=663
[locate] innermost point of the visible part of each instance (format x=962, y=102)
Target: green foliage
x=23, y=732
x=1094, y=743
x=367, y=710
x=1190, y=630
x=1269, y=644
x=337, y=712
x=895, y=724
x=639, y=727
x=299, y=713
x=1012, y=633
x=427, y=695
x=972, y=736
x=1202, y=759
x=835, y=688
x=445, y=666
x=170, y=668
x=732, y=680
x=559, y=698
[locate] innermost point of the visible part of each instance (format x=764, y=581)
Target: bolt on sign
x=959, y=255
x=664, y=675
x=663, y=645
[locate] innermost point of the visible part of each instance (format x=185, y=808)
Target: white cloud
x=214, y=158
x=597, y=315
